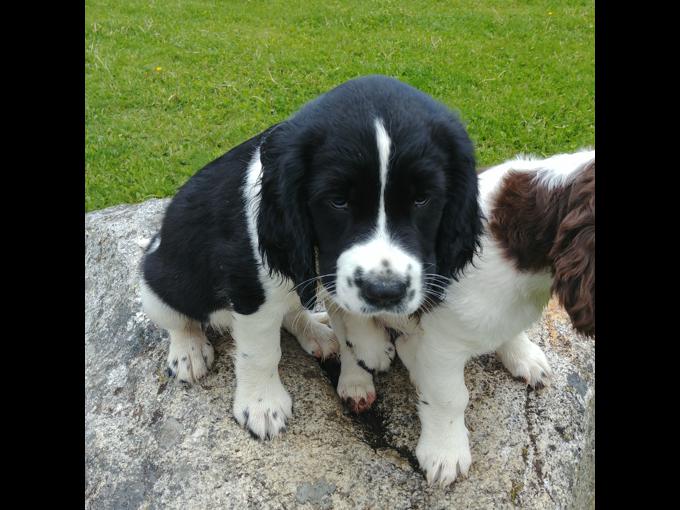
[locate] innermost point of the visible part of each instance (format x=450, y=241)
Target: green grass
x=172, y=84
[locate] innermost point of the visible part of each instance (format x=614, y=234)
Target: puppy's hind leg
x=191, y=354
x=525, y=360
x=313, y=336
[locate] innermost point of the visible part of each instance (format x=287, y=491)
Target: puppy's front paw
x=374, y=353
x=189, y=361
x=526, y=361
x=445, y=460
x=355, y=388
x=264, y=414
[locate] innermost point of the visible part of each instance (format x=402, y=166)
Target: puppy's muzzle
x=383, y=291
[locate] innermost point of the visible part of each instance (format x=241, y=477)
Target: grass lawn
x=172, y=84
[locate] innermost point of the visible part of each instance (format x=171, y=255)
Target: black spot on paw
x=425, y=402
x=246, y=415
x=349, y=283
x=349, y=344
x=184, y=358
x=170, y=372
x=254, y=435
x=259, y=400
x=275, y=414
x=175, y=363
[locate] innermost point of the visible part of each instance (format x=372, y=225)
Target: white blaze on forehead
x=384, y=143
x=379, y=254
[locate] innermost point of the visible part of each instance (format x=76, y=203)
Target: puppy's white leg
x=406, y=349
x=407, y=346
x=355, y=385
x=261, y=403
x=314, y=337
x=191, y=354
x=370, y=343
x=443, y=449
x=525, y=360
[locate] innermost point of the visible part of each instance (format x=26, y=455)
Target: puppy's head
x=377, y=196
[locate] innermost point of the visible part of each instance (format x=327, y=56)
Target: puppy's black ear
x=461, y=223
x=284, y=225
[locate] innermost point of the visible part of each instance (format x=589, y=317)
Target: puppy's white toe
x=265, y=413
x=190, y=361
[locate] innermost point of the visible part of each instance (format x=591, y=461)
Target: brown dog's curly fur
x=541, y=227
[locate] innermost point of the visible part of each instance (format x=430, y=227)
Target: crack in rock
x=537, y=464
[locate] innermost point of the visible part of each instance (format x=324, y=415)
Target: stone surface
x=152, y=443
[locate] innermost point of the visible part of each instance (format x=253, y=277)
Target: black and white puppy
x=369, y=190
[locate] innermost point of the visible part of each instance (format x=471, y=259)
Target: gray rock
x=154, y=443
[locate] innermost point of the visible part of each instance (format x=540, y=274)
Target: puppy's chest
x=497, y=314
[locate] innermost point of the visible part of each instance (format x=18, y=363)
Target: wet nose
x=383, y=292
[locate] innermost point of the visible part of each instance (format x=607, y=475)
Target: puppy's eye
x=421, y=201
x=338, y=203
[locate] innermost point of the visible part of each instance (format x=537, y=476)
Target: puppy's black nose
x=383, y=292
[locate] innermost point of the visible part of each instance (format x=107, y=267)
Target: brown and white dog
x=539, y=239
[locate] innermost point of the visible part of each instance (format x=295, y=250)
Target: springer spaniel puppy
x=368, y=192
x=539, y=239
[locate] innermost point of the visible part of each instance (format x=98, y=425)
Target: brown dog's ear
x=573, y=254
